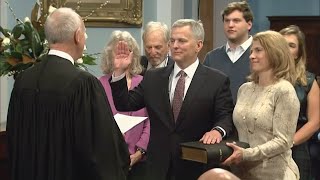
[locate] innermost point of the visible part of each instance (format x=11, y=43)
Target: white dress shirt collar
x=61, y=54
x=235, y=54
x=190, y=70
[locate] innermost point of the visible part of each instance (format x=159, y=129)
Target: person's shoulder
x=211, y=56
x=310, y=76
x=105, y=77
x=247, y=85
x=282, y=83
x=214, y=71
x=85, y=77
x=283, y=86
x=284, y=92
x=137, y=77
x=217, y=50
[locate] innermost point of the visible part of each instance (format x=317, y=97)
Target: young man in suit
x=60, y=125
x=192, y=105
x=156, y=46
x=233, y=58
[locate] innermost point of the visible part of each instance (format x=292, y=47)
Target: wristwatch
x=143, y=152
x=219, y=130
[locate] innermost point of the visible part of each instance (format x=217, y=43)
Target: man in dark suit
x=205, y=113
x=60, y=124
x=156, y=46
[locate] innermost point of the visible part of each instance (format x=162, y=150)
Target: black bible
x=208, y=153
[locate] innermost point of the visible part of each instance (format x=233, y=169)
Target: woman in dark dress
x=308, y=93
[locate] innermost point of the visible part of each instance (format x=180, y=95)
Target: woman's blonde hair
x=278, y=54
x=108, y=53
x=302, y=55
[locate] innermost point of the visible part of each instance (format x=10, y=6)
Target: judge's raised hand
x=211, y=137
x=236, y=157
x=122, y=58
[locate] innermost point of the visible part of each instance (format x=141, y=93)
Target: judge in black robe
x=60, y=126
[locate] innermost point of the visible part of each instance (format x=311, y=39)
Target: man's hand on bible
x=211, y=137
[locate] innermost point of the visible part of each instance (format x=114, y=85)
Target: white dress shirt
x=235, y=54
x=173, y=79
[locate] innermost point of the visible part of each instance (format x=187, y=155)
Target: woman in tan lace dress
x=266, y=113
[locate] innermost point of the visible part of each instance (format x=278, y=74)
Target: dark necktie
x=178, y=95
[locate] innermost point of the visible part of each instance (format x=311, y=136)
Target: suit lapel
x=196, y=84
x=164, y=85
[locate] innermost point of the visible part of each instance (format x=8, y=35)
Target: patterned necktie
x=178, y=95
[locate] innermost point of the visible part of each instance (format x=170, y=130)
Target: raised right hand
x=122, y=58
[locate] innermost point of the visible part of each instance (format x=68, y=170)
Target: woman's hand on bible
x=236, y=157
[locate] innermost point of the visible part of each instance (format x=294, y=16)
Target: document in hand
x=125, y=123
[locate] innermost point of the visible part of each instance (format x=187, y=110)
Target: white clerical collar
x=61, y=54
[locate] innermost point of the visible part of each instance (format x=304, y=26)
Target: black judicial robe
x=60, y=126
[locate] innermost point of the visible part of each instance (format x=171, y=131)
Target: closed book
x=208, y=153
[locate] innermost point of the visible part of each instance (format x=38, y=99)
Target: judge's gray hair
x=61, y=25
x=196, y=27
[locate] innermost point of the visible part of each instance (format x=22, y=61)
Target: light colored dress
x=266, y=118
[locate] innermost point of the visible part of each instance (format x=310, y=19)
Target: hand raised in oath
x=122, y=58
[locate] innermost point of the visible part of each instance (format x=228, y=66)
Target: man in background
x=233, y=58
x=156, y=46
x=60, y=125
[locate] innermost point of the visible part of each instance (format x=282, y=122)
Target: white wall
x=169, y=11
x=177, y=10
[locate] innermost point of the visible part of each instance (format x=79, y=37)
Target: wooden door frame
x=206, y=16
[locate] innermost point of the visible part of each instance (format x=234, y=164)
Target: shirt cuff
x=118, y=78
x=224, y=132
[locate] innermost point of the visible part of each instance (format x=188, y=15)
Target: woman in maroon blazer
x=136, y=138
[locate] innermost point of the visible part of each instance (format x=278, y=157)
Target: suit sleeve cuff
x=221, y=130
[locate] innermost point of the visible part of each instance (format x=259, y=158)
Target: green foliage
x=20, y=48
x=23, y=46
